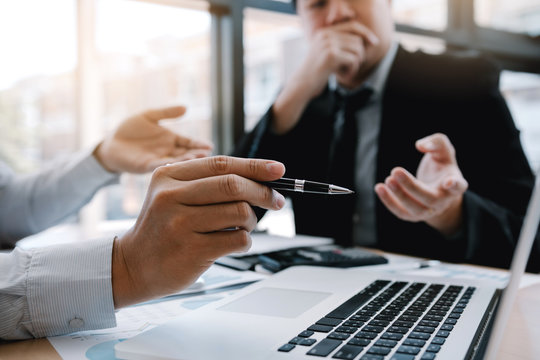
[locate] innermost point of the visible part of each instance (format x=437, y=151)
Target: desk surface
x=520, y=340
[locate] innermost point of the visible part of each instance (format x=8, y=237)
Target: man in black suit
x=428, y=144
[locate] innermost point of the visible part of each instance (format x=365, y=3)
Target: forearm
x=56, y=290
x=290, y=104
x=33, y=203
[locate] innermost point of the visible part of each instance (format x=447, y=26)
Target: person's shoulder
x=451, y=71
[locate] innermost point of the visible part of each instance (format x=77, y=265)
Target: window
x=426, y=14
x=273, y=45
x=37, y=82
x=159, y=57
x=522, y=93
x=518, y=16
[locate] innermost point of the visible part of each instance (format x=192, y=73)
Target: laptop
x=309, y=312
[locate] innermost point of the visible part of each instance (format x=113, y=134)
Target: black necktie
x=345, y=138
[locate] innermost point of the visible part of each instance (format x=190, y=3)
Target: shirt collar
x=376, y=80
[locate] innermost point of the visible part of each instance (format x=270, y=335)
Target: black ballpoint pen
x=306, y=186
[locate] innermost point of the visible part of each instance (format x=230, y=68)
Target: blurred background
x=71, y=70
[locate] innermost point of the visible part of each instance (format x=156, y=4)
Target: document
x=216, y=283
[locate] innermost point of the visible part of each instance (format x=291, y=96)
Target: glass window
x=413, y=42
x=159, y=56
x=37, y=81
x=426, y=14
x=273, y=46
x=522, y=92
x=520, y=16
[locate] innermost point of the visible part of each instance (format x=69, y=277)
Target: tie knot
x=354, y=100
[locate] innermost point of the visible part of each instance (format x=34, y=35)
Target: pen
x=305, y=186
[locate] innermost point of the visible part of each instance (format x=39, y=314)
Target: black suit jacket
x=424, y=94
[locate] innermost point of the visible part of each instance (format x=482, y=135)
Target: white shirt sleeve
x=56, y=290
x=29, y=204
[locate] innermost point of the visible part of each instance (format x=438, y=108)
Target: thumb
x=455, y=185
x=172, y=112
x=439, y=146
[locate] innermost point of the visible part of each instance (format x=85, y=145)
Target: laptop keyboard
x=379, y=324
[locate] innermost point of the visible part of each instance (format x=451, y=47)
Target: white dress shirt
x=56, y=289
x=369, y=123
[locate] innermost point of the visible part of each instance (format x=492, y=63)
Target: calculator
x=333, y=257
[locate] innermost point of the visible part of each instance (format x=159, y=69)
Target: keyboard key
x=443, y=333
x=433, y=348
x=447, y=327
x=346, y=329
x=295, y=341
x=428, y=356
x=359, y=342
x=386, y=343
x=378, y=323
x=414, y=342
x=372, y=357
x=348, y=352
x=307, y=342
x=402, y=357
x=329, y=321
x=373, y=329
x=306, y=333
x=411, y=350
x=348, y=307
x=392, y=336
x=366, y=335
x=404, y=324
x=324, y=347
x=378, y=350
x=286, y=348
x=419, y=335
x=425, y=329
x=320, y=328
x=429, y=323
x=438, y=340
x=399, y=329
x=338, y=336
x=353, y=323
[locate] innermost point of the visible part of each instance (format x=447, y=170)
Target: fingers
x=189, y=143
x=156, y=115
x=229, y=188
x=256, y=169
x=222, y=243
x=178, y=155
x=407, y=187
x=413, y=200
x=439, y=146
x=455, y=185
x=233, y=215
x=392, y=203
x=358, y=29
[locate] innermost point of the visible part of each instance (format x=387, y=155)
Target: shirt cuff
x=69, y=288
x=91, y=166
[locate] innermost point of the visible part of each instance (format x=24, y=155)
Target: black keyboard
x=387, y=320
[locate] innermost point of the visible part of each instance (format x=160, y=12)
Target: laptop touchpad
x=278, y=302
